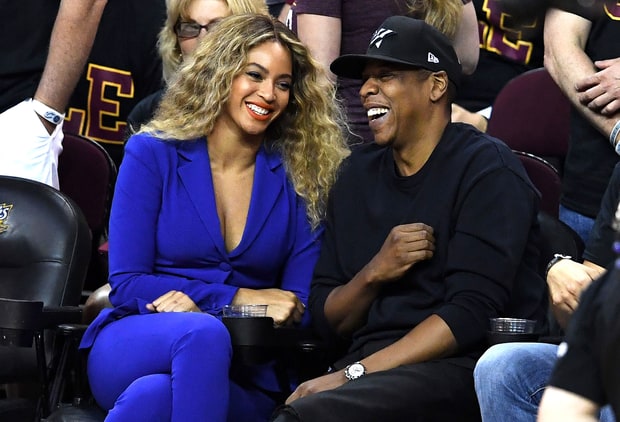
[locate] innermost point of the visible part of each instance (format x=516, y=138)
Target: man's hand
x=601, y=91
x=283, y=306
x=566, y=280
x=406, y=245
x=316, y=385
x=173, y=301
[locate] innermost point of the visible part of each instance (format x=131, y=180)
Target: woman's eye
x=253, y=74
x=285, y=86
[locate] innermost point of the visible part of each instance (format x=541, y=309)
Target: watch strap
x=556, y=258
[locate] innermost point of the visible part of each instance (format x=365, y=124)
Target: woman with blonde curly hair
x=187, y=22
x=219, y=201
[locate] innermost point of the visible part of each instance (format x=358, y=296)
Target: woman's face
x=260, y=93
x=202, y=12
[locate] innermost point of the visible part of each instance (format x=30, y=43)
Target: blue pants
x=170, y=367
x=510, y=379
x=580, y=223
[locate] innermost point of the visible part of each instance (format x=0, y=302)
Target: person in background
x=122, y=69
x=511, y=42
x=187, y=22
x=580, y=45
x=215, y=204
x=331, y=28
x=586, y=376
x=431, y=231
x=43, y=49
x=515, y=392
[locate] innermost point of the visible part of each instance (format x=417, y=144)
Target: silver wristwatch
x=355, y=371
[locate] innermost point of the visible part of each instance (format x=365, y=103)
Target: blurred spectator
x=511, y=42
x=122, y=69
x=515, y=392
x=579, y=40
x=177, y=40
x=43, y=46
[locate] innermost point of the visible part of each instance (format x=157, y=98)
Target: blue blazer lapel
x=194, y=170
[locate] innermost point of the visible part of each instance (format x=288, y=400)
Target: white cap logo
x=379, y=35
x=432, y=58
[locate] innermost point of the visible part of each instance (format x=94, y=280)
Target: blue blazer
x=165, y=232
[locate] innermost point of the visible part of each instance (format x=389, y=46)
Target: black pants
x=441, y=390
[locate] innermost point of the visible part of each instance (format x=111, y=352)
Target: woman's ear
x=440, y=85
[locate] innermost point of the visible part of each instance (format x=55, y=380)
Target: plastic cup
x=512, y=325
x=244, y=311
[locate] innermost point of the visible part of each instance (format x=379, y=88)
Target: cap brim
x=352, y=65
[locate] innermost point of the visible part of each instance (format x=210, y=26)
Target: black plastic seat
x=45, y=243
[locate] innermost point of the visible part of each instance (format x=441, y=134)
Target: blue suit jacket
x=165, y=232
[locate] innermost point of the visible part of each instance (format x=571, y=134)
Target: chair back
x=532, y=114
x=546, y=179
x=87, y=175
x=45, y=244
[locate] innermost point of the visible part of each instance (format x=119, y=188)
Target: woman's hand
x=173, y=301
x=283, y=306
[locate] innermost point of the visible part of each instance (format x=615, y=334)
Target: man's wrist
x=47, y=112
x=556, y=258
x=613, y=137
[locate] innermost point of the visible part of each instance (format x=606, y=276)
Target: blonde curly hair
x=310, y=132
x=176, y=10
x=444, y=15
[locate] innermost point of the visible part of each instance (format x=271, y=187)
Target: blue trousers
x=580, y=223
x=170, y=367
x=510, y=379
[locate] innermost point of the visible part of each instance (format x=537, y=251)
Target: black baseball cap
x=404, y=40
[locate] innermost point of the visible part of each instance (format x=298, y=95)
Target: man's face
x=396, y=100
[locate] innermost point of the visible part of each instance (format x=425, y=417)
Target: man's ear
x=440, y=85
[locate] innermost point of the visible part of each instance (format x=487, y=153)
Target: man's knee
x=285, y=414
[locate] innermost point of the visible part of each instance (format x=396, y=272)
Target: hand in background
x=283, y=306
x=566, y=280
x=601, y=91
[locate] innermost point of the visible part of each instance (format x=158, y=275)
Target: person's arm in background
x=601, y=91
x=467, y=40
x=559, y=405
x=70, y=44
x=324, y=44
x=566, y=35
x=33, y=142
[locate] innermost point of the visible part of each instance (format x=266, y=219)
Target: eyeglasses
x=190, y=29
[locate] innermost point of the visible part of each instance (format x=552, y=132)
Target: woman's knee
x=203, y=332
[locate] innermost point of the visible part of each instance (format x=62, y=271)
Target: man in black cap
x=430, y=232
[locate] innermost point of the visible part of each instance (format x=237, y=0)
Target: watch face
x=355, y=370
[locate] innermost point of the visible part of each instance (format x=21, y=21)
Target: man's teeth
x=374, y=113
x=257, y=109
